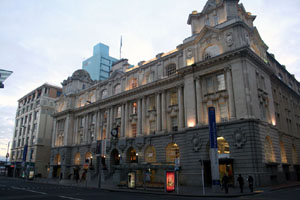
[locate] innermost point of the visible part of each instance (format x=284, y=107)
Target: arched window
x=92, y=97
x=57, y=159
x=269, y=153
x=77, y=159
x=104, y=94
x=294, y=155
x=211, y=51
x=115, y=157
x=117, y=89
x=150, y=154
x=88, y=158
x=223, y=146
x=131, y=155
x=170, y=69
x=282, y=153
x=172, y=152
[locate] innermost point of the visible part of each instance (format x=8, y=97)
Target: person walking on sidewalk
x=250, y=182
x=225, y=181
x=241, y=182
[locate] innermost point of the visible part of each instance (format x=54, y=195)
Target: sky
x=47, y=40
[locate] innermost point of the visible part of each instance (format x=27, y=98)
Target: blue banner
x=212, y=127
x=25, y=152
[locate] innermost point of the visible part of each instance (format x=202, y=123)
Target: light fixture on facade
x=191, y=123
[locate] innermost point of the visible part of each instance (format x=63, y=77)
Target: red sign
x=170, y=181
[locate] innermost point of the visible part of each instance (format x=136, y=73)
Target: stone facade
x=158, y=111
x=33, y=128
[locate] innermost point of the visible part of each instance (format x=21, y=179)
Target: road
x=14, y=189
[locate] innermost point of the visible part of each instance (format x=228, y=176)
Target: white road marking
x=28, y=190
x=69, y=198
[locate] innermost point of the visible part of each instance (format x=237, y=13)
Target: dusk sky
x=46, y=41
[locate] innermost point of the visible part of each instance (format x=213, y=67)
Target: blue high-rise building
x=98, y=66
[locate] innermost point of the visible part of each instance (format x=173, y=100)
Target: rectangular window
x=174, y=124
x=173, y=98
x=134, y=108
x=152, y=126
x=215, y=20
x=119, y=112
x=29, y=119
x=133, y=130
x=221, y=82
x=223, y=112
x=152, y=103
x=209, y=85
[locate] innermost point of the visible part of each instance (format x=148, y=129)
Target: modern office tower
x=31, y=142
x=99, y=65
x=4, y=74
x=152, y=119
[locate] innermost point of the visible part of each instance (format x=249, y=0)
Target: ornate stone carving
x=196, y=142
x=139, y=142
x=189, y=53
x=239, y=138
x=229, y=38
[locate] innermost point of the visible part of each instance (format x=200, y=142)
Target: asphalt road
x=14, y=189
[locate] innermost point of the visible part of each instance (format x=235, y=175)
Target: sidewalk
x=183, y=190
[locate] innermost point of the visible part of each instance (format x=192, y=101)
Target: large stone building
x=31, y=142
x=158, y=111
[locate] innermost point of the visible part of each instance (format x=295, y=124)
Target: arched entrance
x=114, y=157
x=131, y=155
x=172, y=152
x=56, y=167
x=225, y=162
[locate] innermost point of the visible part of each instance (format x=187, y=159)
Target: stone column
x=163, y=111
x=86, y=129
x=139, y=116
x=97, y=125
x=180, y=108
x=126, y=133
x=111, y=119
x=53, y=133
x=232, y=113
x=144, y=115
x=200, y=114
x=123, y=120
x=158, y=112
x=189, y=101
x=107, y=123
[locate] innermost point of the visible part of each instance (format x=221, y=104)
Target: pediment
x=207, y=34
x=116, y=74
x=210, y=5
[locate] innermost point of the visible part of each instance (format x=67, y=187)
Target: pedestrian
x=241, y=182
x=225, y=181
x=250, y=182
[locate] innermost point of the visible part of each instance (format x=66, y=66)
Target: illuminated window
x=172, y=152
x=282, y=153
x=171, y=69
x=269, y=153
x=131, y=155
x=88, y=158
x=132, y=83
x=150, y=154
x=221, y=82
x=77, y=159
x=134, y=108
x=294, y=155
x=173, y=98
x=57, y=160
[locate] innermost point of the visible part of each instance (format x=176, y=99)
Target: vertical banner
x=25, y=152
x=170, y=181
x=214, y=160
